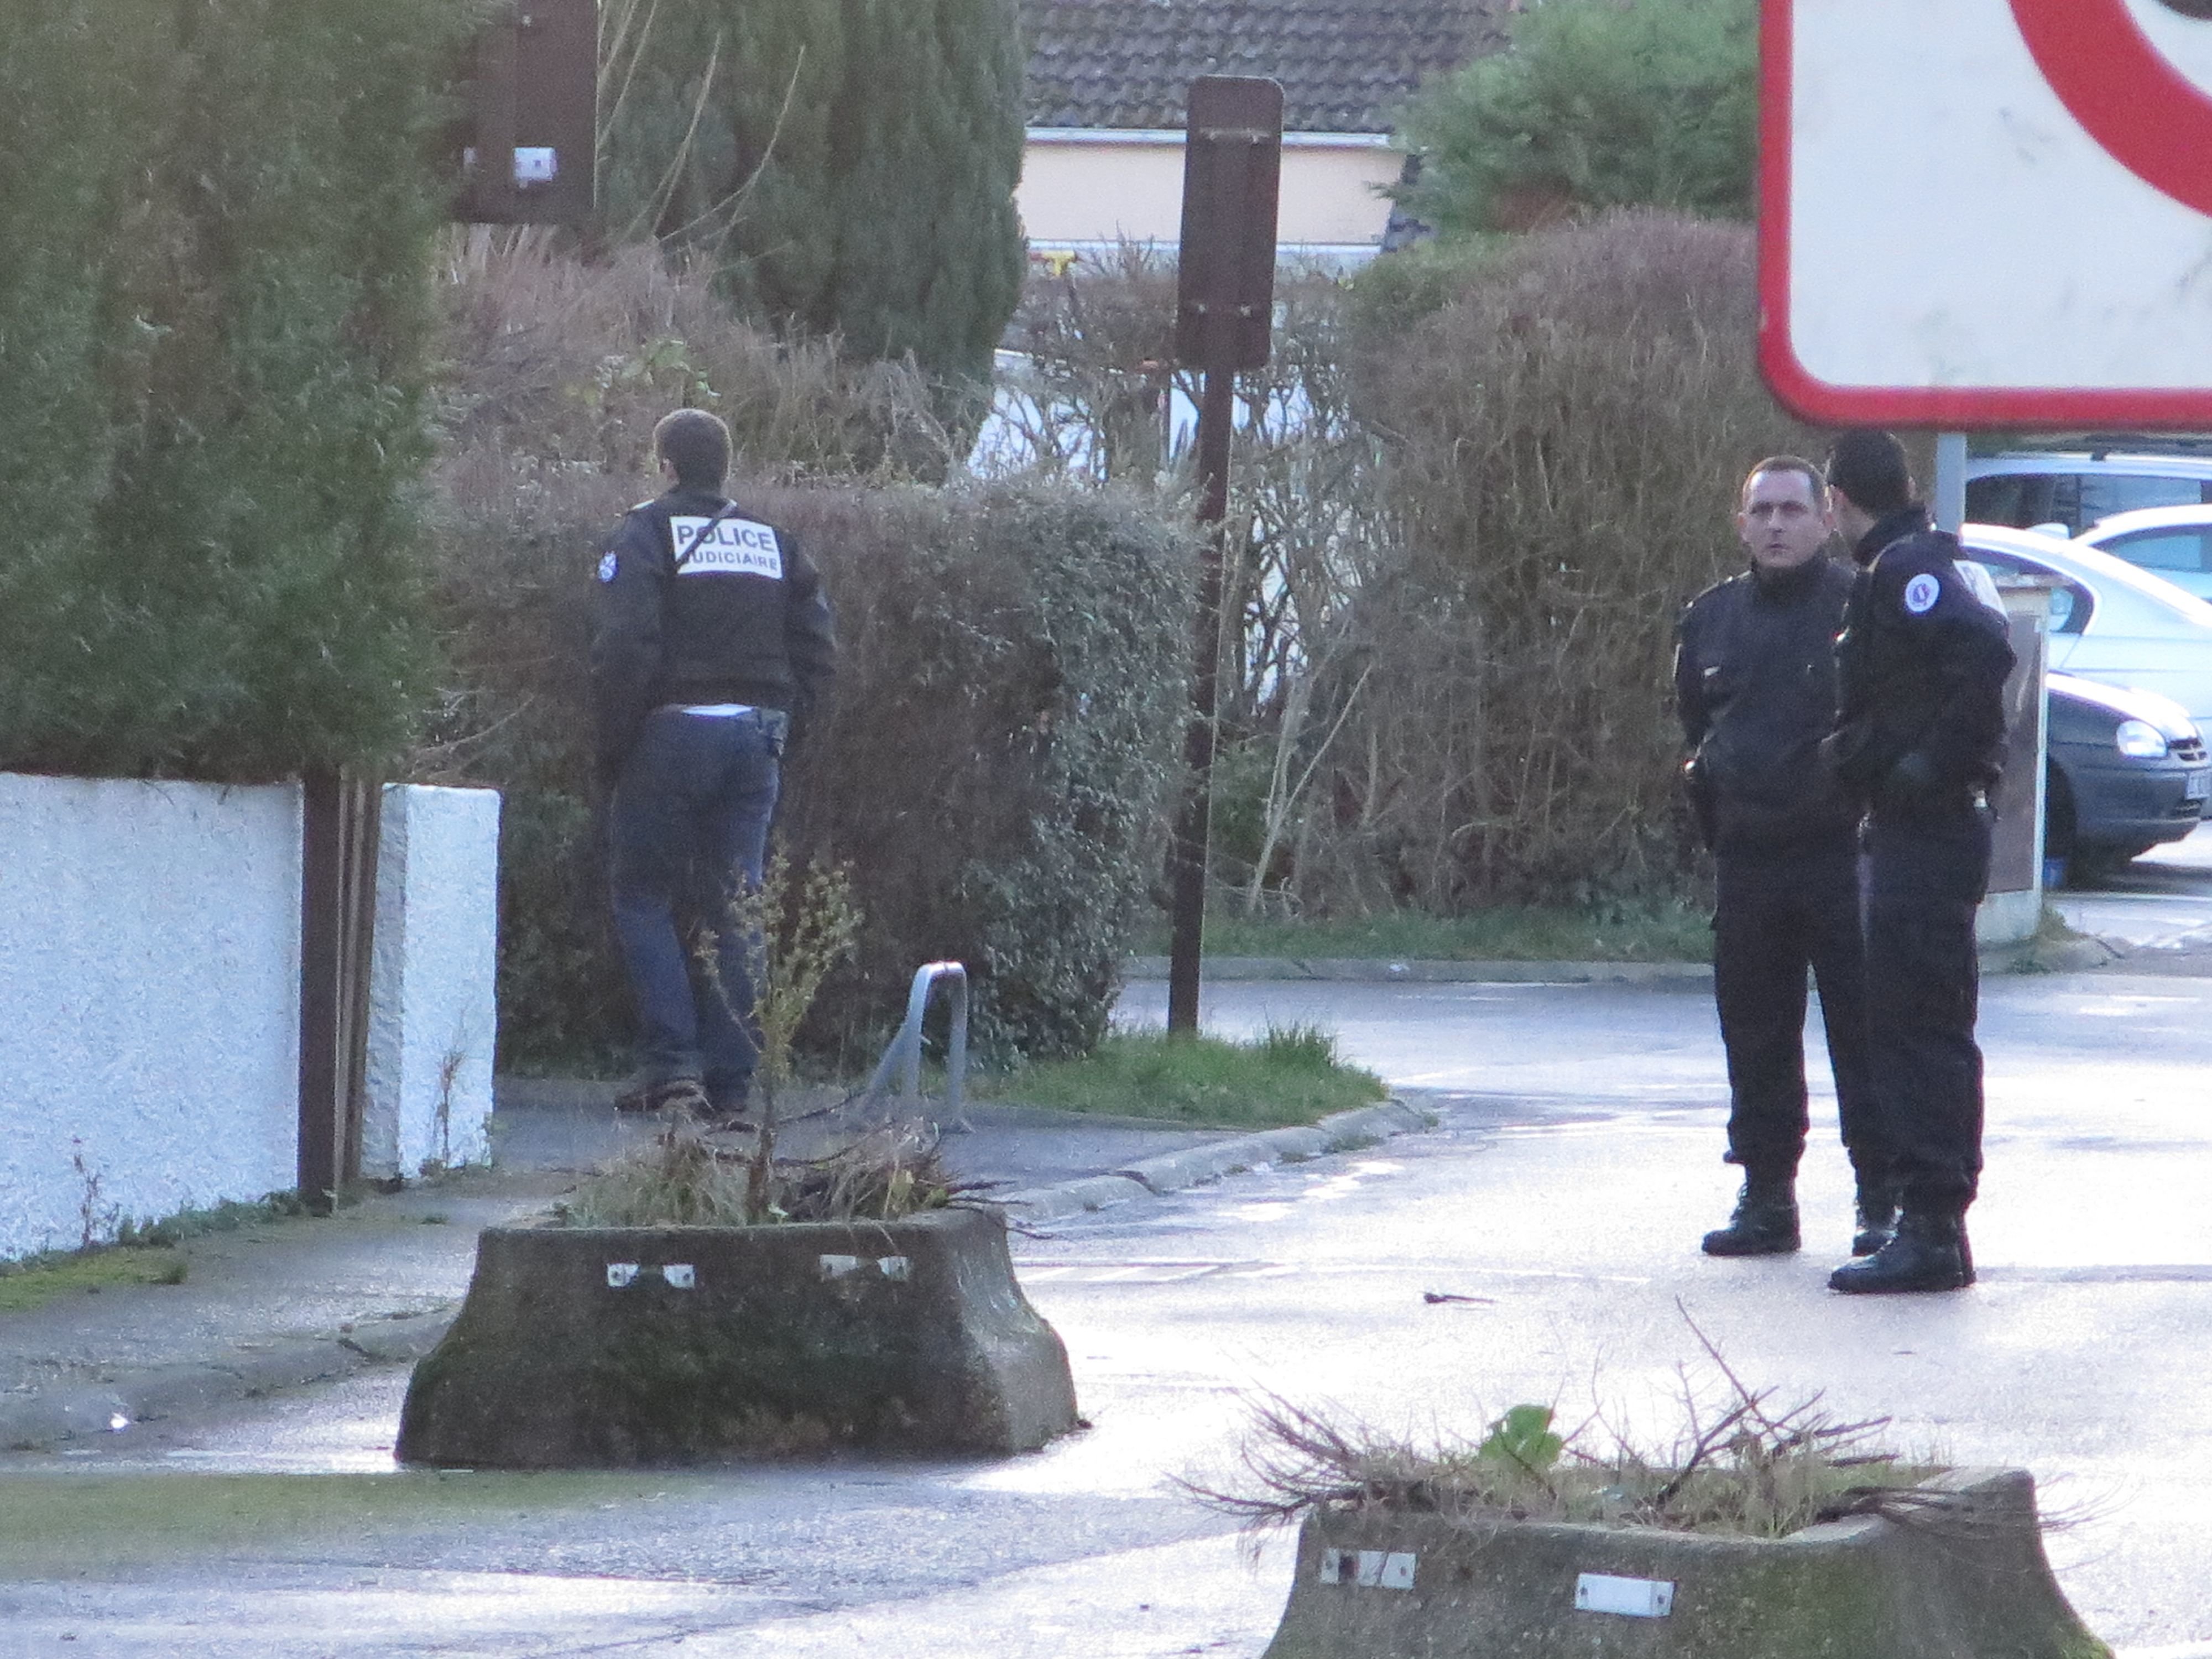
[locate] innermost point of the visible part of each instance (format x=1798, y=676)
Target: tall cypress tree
x=850, y=165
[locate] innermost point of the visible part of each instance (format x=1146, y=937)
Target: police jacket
x=1921, y=675
x=743, y=620
x=1755, y=687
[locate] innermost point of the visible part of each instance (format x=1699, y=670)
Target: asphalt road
x=1578, y=1161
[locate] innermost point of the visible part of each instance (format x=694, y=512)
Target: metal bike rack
x=903, y=1056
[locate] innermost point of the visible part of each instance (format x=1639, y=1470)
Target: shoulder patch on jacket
x=1922, y=592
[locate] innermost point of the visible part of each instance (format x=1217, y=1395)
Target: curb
x=38, y=1421
x=1341, y=1131
x=41, y=1420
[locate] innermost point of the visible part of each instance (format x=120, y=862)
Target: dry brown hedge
x=1564, y=437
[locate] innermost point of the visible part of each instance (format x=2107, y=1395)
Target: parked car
x=2128, y=770
x=2110, y=622
x=2175, y=543
x=2075, y=489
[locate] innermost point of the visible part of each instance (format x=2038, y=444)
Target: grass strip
x=1653, y=933
x=1288, y=1075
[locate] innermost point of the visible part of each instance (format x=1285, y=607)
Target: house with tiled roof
x=1108, y=80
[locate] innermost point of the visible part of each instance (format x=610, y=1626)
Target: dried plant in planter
x=683, y=1177
x=1742, y=1465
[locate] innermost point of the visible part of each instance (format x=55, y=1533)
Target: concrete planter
x=622, y=1345
x=1971, y=1583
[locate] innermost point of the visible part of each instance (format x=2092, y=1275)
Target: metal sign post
x=1225, y=313
x=526, y=147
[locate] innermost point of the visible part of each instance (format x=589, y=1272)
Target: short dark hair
x=1796, y=464
x=1868, y=467
x=696, y=444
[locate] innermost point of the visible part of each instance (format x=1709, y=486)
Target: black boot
x=1764, y=1222
x=1877, y=1217
x=1929, y=1252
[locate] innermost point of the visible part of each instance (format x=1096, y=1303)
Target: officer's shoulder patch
x=608, y=565
x=1922, y=592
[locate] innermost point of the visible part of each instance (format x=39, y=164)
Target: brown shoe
x=648, y=1095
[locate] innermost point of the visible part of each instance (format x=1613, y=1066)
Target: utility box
x=525, y=147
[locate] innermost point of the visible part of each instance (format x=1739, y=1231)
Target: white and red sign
x=1978, y=212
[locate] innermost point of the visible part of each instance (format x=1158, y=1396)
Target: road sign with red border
x=1986, y=213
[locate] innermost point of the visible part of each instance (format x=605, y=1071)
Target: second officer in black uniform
x=1755, y=686
x=1921, y=741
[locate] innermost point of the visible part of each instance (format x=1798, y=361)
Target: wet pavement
x=1577, y=1161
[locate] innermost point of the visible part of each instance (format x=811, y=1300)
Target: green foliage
x=1522, y=1442
x=1290, y=1076
x=213, y=231
x=1598, y=104
x=849, y=165
x=999, y=761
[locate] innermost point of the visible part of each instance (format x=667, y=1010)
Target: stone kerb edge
x=1170, y=1172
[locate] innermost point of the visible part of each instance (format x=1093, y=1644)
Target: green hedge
x=215, y=228
x=996, y=767
x=1008, y=729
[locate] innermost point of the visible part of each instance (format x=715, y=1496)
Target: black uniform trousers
x=1777, y=913
x=1929, y=868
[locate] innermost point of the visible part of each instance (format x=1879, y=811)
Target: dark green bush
x=847, y=165
x=214, y=223
x=995, y=768
x=1009, y=725
x=1598, y=104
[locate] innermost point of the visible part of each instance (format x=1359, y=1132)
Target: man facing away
x=1920, y=740
x=711, y=631
x=1755, y=687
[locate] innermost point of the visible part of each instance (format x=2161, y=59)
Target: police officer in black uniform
x=1920, y=739
x=1755, y=686
x=712, y=631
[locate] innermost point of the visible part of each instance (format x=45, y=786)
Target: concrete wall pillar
x=433, y=1012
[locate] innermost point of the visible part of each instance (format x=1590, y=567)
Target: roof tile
x=1344, y=64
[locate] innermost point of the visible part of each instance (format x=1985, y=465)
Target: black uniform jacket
x=1755, y=686
x=744, y=621
x=1922, y=667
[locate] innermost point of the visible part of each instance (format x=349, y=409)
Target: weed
x=682, y=1178
x=1740, y=1464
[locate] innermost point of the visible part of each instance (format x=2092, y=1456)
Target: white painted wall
x=433, y=1013
x=1079, y=189
x=150, y=972
x=149, y=997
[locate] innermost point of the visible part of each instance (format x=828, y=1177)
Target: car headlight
x=2140, y=740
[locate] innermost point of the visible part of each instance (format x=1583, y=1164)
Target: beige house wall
x=1078, y=191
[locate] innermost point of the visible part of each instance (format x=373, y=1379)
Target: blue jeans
x=688, y=829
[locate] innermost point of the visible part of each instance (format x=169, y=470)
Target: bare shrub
x=1739, y=1463
x=683, y=1177
x=1566, y=438
x=1306, y=523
